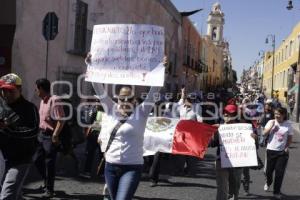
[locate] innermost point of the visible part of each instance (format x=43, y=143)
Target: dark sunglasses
x=126, y=99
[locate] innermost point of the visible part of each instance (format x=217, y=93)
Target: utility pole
x=273, y=62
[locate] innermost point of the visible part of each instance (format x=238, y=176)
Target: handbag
x=111, y=138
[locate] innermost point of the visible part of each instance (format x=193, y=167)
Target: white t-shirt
x=278, y=135
x=127, y=145
x=188, y=113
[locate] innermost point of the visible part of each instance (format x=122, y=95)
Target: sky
x=247, y=24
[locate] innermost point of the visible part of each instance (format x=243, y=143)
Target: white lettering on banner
x=127, y=54
x=237, y=147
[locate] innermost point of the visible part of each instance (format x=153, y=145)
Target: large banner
x=171, y=135
x=127, y=54
x=237, y=147
x=159, y=135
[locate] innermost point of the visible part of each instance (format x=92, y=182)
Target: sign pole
x=50, y=30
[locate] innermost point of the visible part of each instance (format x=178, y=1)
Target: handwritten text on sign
x=237, y=147
x=127, y=54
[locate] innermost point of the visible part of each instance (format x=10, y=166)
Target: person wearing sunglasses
x=124, y=158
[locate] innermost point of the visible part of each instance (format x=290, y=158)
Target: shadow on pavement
x=144, y=198
x=291, y=197
x=185, y=184
x=61, y=195
x=260, y=197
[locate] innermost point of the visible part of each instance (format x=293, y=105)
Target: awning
x=293, y=89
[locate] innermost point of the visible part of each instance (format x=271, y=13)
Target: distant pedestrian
x=291, y=103
x=18, y=133
x=51, y=125
x=93, y=119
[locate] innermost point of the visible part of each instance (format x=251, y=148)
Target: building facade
x=66, y=52
x=285, y=67
x=192, y=45
x=194, y=60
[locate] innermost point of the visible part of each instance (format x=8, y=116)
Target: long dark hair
x=282, y=111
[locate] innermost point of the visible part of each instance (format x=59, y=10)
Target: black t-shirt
x=18, y=141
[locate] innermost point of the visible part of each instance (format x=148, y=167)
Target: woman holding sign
x=280, y=135
x=125, y=126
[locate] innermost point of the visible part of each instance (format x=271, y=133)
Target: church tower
x=215, y=23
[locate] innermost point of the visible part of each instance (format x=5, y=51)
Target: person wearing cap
x=228, y=179
x=127, y=120
x=51, y=124
x=18, y=134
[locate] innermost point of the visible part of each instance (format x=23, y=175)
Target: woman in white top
x=124, y=158
x=279, y=134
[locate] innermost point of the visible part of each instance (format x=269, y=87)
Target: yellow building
x=285, y=66
x=213, y=59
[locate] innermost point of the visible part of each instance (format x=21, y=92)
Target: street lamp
x=272, y=36
x=261, y=53
x=290, y=5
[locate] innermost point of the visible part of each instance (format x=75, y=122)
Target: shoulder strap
x=99, y=116
x=113, y=133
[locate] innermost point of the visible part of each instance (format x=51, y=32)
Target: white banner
x=159, y=134
x=237, y=147
x=127, y=54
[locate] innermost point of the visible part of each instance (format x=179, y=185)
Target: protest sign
x=237, y=147
x=127, y=54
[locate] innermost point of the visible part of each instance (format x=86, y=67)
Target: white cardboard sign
x=237, y=147
x=127, y=54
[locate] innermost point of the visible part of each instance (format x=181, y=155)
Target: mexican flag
x=171, y=135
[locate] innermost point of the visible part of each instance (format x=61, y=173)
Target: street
x=200, y=185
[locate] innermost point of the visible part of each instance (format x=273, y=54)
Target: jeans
x=122, y=180
x=45, y=159
x=13, y=182
x=228, y=182
x=2, y=168
x=246, y=180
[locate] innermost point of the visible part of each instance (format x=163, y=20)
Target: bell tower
x=215, y=23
